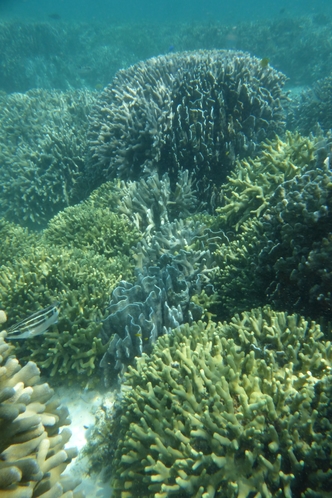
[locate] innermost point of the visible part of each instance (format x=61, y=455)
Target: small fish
x=264, y=62
x=55, y=16
x=35, y=324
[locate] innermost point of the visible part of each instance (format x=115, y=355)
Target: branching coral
x=190, y=110
x=42, y=153
x=92, y=228
x=280, y=254
x=32, y=454
x=313, y=107
x=253, y=181
x=228, y=410
x=81, y=281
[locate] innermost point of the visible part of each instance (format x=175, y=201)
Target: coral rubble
x=233, y=409
x=32, y=453
x=191, y=110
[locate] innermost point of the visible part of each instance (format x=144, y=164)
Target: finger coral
x=32, y=453
x=235, y=409
x=188, y=110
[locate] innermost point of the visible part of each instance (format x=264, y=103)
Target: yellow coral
x=228, y=410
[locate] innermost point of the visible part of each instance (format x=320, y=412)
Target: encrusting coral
x=235, y=409
x=32, y=453
x=43, y=136
x=189, y=110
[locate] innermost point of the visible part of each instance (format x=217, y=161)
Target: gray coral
x=191, y=110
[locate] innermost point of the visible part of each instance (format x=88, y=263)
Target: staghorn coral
x=280, y=254
x=191, y=110
x=32, y=454
x=77, y=260
x=14, y=241
x=253, y=181
x=232, y=409
x=42, y=153
x=91, y=228
x=81, y=281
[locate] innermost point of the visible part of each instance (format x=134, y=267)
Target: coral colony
x=186, y=236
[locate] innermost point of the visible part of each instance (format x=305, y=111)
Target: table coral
x=32, y=454
x=231, y=409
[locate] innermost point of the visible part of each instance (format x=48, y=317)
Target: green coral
x=233, y=409
x=81, y=281
x=280, y=253
x=94, y=228
x=77, y=260
x=43, y=145
x=254, y=181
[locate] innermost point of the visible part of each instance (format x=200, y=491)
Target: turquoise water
x=171, y=10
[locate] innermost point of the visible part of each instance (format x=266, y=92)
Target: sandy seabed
x=82, y=405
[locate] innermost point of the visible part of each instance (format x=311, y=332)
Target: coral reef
x=76, y=261
x=32, y=454
x=190, y=110
x=75, y=55
x=81, y=281
x=151, y=203
x=93, y=228
x=43, y=136
x=312, y=107
x=281, y=253
x=233, y=410
x=253, y=181
x=172, y=286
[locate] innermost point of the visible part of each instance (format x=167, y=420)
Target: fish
x=55, y=16
x=35, y=324
x=264, y=62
